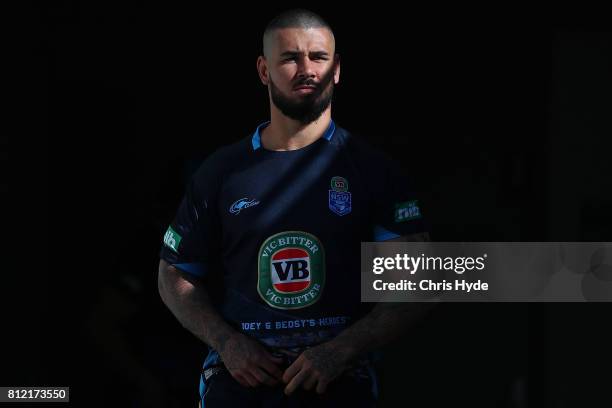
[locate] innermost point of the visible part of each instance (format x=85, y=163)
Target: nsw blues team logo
x=291, y=270
x=339, y=196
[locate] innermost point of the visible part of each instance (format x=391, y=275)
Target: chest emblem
x=339, y=196
x=291, y=270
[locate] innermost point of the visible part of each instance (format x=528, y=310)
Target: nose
x=305, y=68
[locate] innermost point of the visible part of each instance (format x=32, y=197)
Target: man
x=262, y=260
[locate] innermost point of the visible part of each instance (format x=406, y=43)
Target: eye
x=319, y=57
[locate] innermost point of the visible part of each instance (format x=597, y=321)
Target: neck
x=284, y=133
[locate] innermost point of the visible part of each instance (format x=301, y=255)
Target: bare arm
x=187, y=298
x=190, y=303
x=386, y=321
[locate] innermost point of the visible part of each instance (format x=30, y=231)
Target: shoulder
x=225, y=156
x=215, y=166
x=223, y=160
x=363, y=153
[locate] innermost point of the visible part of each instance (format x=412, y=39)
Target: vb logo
x=290, y=270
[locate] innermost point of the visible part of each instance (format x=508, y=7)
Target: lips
x=305, y=90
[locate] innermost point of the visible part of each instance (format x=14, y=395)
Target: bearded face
x=308, y=99
x=301, y=70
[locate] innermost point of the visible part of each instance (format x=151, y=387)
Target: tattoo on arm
x=384, y=323
x=188, y=300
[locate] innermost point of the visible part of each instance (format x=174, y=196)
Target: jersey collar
x=256, y=139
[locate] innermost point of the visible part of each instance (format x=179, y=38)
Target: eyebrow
x=295, y=53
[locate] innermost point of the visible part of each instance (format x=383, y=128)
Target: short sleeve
x=188, y=243
x=397, y=209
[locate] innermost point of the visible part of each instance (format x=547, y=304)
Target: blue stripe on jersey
x=381, y=234
x=330, y=131
x=202, y=389
x=212, y=358
x=196, y=269
x=256, y=139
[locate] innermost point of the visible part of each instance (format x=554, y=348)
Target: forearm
x=383, y=324
x=190, y=303
x=386, y=321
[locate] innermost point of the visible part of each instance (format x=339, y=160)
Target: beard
x=307, y=108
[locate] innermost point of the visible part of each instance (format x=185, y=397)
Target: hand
x=318, y=366
x=249, y=362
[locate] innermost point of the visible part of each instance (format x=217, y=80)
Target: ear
x=336, y=69
x=262, y=70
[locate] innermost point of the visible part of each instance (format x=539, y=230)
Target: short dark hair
x=295, y=18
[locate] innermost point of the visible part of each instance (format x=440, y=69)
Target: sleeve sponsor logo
x=172, y=239
x=407, y=211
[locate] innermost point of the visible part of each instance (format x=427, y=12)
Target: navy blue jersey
x=281, y=232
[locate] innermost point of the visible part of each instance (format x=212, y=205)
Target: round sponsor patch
x=291, y=270
x=339, y=184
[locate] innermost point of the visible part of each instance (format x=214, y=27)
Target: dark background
x=503, y=116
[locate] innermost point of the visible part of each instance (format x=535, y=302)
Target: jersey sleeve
x=189, y=242
x=397, y=209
